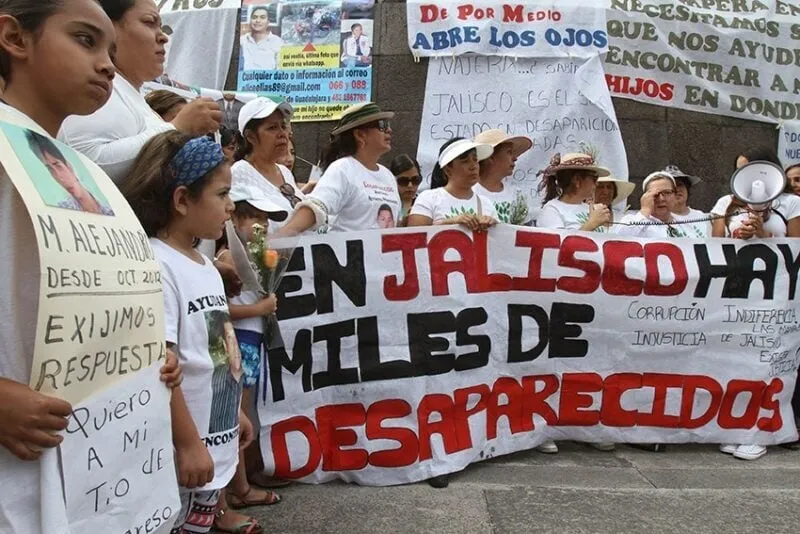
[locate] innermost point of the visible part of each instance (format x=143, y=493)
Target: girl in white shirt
x=455, y=202
x=114, y=134
x=568, y=183
x=55, y=71
x=264, y=140
x=179, y=190
x=354, y=188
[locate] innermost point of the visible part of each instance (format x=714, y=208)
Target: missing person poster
x=100, y=307
x=317, y=54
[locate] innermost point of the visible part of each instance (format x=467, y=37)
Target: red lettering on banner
x=566, y=258
x=615, y=281
x=407, y=244
x=280, y=448
x=537, y=242
x=407, y=452
x=333, y=435
x=575, y=395
x=652, y=283
x=431, y=12
x=440, y=243
x=488, y=282
x=574, y=398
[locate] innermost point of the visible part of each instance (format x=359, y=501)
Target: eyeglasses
x=288, y=192
x=405, y=181
x=381, y=124
x=664, y=194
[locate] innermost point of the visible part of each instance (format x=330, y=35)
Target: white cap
x=463, y=146
x=655, y=175
x=241, y=191
x=262, y=107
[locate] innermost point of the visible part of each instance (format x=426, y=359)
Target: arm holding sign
x=171, y=372
x=29, y=420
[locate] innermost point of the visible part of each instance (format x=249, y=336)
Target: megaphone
x=758, y=183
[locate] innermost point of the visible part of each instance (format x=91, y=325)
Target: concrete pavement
x=689, y=488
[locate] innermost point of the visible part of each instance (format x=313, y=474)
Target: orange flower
x=270, y=259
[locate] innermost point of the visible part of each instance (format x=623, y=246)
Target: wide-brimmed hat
x=677, y=173
x=242, y=191
x=496, y=137
x=574, y=161
x=359, y=115
x=654, y=175
x=262, y=107
x=462, y=146
x=624, y=188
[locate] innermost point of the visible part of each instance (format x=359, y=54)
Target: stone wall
x=701, y=144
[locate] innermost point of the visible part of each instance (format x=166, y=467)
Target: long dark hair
x=340, y=146
x=31, y=15
x=403, y=163
x=116, y=9
x=556, y=184
x=438, y=177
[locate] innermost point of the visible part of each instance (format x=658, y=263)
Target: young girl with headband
x=54, y=62
x=179, y=188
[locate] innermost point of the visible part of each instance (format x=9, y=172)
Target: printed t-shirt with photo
x=356, y=197
x=198, y=322
x=505, y=202
x=243, y=172
x=439, y=205
x=786, y=204
x=697, y=229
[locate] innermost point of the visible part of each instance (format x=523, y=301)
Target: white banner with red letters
x=415, y=352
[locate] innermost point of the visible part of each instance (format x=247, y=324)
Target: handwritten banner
x=729, y=58
x=523, y=29
x=789, y=143
x=316, y=54
x=119, y=468
x=101, y=311
x=416, y=352
x=562, y=105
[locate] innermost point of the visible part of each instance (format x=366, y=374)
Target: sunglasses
x=381, y=124
x=288, y=192
x=405, y=181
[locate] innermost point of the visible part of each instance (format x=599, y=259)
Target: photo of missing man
x=356, y=43
x=226, y=388
x=260, y=47
x=56, y=171
x=385, y=217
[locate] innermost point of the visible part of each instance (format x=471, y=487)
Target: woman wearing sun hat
x=694, y=223
x=354, y=187
x=511, y=205
x=612, y=193
x=452, y=199
x=263, y=141
x=568, y=184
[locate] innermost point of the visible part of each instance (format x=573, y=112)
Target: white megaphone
x=757, y=184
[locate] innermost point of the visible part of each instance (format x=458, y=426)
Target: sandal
x=263, y=480
x=238, y=502
x=249, y=526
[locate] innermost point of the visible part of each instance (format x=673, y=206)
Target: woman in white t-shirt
x=735, y=219
x=114, y=134
x=355, y=192
x=654, y=218
x=455, y=202
x=568, y=184
x=46, y=46
x=612, y=193
x=511, y=205
x=264, y=140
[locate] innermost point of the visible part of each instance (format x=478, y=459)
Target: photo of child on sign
x=357, y=43
x=58, y=175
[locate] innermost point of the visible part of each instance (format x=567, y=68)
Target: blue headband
x=196, y=159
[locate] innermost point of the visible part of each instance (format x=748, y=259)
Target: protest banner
x=201, y=38
x=119, y=467
x=528, y=28
x=412, y=353
x=739, y=59
x=562, y=105
x=789, y=143
x=100, y=308
x=316, y=54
